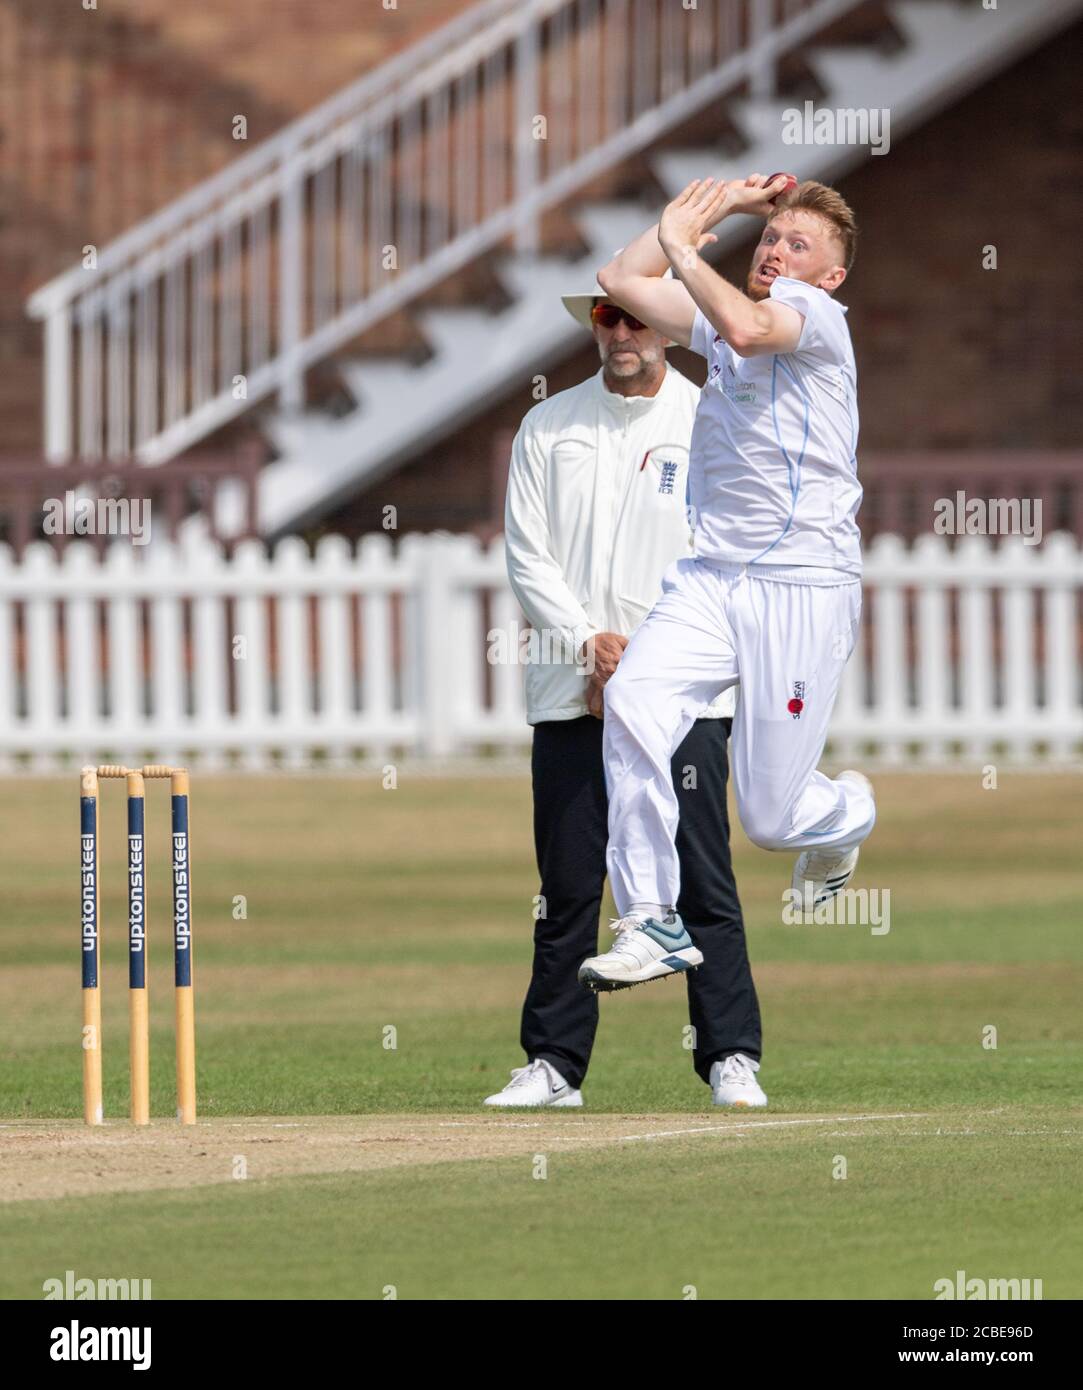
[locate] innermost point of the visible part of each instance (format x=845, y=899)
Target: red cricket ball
x=791, y=182
x=796, y=706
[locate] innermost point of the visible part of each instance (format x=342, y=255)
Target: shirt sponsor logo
x=797, y=704
x=740, y=392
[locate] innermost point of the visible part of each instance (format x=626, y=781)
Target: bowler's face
x=800, y=245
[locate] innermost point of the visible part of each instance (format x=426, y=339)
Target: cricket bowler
x=771, y=597
x=595, y=514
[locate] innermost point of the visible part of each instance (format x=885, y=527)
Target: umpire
x=595, y=514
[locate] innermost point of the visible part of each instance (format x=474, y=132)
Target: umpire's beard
x=643, y=366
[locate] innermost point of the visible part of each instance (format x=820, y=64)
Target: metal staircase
x=229, y=295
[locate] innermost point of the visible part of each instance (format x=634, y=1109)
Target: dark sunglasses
x=609, y=315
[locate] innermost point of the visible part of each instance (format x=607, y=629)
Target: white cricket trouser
x=787, y=643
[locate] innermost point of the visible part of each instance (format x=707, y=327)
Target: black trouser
x=560, y=1015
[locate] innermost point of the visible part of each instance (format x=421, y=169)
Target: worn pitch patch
x=49, y=1159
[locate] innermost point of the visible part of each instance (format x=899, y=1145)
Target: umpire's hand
x=600, y=654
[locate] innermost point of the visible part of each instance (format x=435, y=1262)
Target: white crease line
x=489, y=1124
x=731, y=1127
x=720, y=1127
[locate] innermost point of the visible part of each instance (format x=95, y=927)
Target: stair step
x=771, y=152
x=988, y=38
x=457, y=331
x=373, y=379
x=609, y=227
x=675, y=169
x=758, y=121
x=551, y=275
x=538, y=322
x=853, y=76
x=932, y=23
x=291, y=430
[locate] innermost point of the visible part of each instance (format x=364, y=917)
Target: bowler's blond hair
x=831, y=206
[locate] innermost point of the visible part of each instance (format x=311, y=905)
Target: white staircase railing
x=231, y=292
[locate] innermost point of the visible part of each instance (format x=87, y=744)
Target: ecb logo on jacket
x=668, y=469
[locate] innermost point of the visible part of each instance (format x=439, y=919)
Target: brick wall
x=107, y=114
x=950, y=356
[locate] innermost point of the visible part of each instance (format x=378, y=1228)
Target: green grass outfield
x=410, y=909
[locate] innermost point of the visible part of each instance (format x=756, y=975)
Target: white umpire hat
x=580, y=305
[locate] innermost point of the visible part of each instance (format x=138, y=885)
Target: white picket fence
x=361, y=655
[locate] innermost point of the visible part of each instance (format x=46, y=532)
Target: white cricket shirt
x=772, y=472
x=595, y=514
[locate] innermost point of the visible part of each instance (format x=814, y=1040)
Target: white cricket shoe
x=821, y=873
x=537, y=1084
x=645, y=949
x=733, y=1082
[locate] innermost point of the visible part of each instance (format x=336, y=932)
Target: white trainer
x=733, y=1083
x=645, y=949
x=821, y=873
x=537, y=1084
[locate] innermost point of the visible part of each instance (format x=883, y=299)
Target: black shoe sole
x=597, y=985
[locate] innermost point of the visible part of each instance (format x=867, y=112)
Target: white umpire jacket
x=595, y=513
